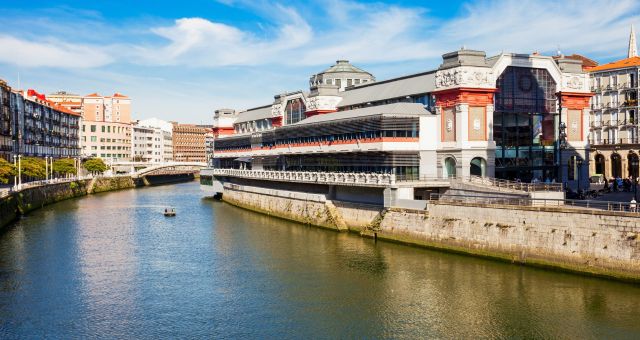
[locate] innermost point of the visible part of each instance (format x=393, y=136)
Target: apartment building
x=189, y=142
x=614, y=119
x=106, y=127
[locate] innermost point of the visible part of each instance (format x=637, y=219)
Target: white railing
x=351, y=178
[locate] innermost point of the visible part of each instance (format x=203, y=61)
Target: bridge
x=167, y=169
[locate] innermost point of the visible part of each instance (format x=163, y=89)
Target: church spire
x=633, y=48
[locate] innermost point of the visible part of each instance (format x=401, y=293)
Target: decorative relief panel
x=574, y=82
x=448, y=125
x=574, y=125
x=477, y=123
x=328, y=103
x=463, y=77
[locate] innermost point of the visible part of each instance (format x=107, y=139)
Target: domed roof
x=344, y=66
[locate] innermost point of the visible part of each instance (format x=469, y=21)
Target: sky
x=181, y=60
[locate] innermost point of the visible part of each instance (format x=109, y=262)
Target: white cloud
x=524, y=26
x=50, y=54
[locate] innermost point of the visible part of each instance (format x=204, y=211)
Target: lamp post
x=46, y=168
x=19, y=171
x=15, y=178
x=634, y=165
x=579, y=164
x=562, y=144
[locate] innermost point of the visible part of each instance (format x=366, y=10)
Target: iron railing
x=612, y=206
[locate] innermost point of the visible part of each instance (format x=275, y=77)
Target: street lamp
x=15, y=178
x=634, y=165
x=579, y=164
x=562, y=144
x=19, y=171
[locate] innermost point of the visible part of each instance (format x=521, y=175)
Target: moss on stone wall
x=20, y=203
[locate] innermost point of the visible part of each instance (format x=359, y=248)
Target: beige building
x=189, y=143
x=614, y=120
x=106, y=127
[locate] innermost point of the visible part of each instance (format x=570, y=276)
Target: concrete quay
x=586, y=241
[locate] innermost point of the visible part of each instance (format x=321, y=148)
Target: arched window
x=478, y=167
x=449, y=169
x=632, y=159
x=616, y=165
x=600, y=168
x=572, y=168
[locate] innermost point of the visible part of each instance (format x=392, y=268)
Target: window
x=102, y=128
x=94, y=138
x=93, y=128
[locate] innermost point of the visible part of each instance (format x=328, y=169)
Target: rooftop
x=344, y=66
x=623, y=63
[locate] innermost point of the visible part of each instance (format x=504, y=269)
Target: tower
x=633, y=48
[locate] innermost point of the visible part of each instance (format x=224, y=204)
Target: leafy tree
x=64, y=166
x=95, y=165
x=33, y=168
x=7, y=170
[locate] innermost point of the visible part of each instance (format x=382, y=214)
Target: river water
x=112, y=266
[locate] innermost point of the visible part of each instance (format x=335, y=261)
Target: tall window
x=294, y=111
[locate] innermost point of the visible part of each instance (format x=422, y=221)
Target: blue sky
x=180, y=60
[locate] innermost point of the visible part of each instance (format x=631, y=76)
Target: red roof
x=43, y=99
x=119, y=95
x=628, y=62
x=95, y=94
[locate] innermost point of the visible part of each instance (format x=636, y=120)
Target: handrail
x=353, y=178
x=613, y=206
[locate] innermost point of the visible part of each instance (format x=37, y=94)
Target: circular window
x=525, y=83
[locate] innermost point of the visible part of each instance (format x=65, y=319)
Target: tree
x=7, y=170
x=64, y=166
x=33, y=168
x=95, y=165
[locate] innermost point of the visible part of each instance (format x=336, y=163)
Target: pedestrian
x=632, y=205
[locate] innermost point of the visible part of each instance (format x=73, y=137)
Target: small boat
x=169, y=212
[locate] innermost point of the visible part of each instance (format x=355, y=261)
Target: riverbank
x=19, y=203
x=590, y=242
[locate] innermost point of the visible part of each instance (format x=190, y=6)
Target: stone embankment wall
x=587, y=241
x=26, y=200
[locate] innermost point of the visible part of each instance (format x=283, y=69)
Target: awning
x=243, y=159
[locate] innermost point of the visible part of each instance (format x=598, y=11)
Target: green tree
x=64, y=166
x=7, y=170
x=95, y=165
x=33, y=168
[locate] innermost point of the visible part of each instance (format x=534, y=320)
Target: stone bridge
x=176, y=168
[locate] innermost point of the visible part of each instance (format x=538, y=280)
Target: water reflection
x=113, y=266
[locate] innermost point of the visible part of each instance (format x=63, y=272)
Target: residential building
x=614, y=120
x=106, y=127
x=43, y=128
x=70, y=101
x=500, y=116
x=166, y=129
x=6, y=121
x=147, y=144
x=189, y=143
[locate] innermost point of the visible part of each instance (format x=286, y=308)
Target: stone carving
x=456, y=77
x=476, y=124
x=449, y=125
x=276, y=110
x=574, y=83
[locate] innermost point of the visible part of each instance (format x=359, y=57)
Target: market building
x=512, y=116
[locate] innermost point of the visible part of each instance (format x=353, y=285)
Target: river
x=112, y=266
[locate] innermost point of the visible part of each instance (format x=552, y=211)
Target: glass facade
x=525, y=125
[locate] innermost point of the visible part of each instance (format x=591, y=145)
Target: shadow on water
x=113, y=266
